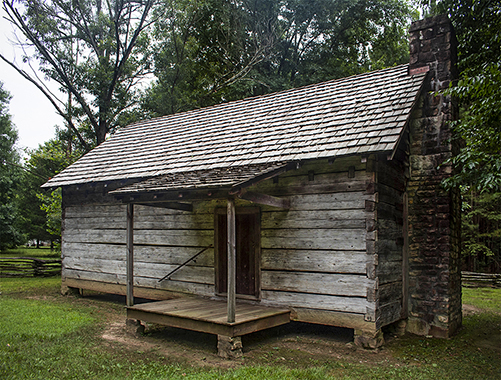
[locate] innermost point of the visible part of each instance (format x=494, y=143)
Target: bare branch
x=132, y=44
x=49, y=97
x=19, y=22
x=25, y=169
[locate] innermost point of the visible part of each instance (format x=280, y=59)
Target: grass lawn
x=47, y=336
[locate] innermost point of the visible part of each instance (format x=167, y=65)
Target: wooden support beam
x=130, y=254
x=405, y=259
x=171, y=196
x=232, y=283
x=170, y=205
x=265, y=199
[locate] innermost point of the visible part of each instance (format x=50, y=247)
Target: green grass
x=487, y=299
x=47, y=336
x=30, y=285
x=474, y=353
x=37, y=319
x=39, y=253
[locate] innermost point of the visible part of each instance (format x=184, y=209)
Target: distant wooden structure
x=323, y=203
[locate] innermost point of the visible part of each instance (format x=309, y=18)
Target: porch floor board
x=209, y=316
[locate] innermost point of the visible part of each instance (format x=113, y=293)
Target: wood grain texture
x=141, y=282
x=332, y=318
x=313, y=239
x=319, y=283
x=198, y=274
x=146, y=254
x=312, y=255
x=330, y=261
x=316, y=301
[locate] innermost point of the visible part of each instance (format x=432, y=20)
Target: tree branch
x=50, y=98
x=16, y=18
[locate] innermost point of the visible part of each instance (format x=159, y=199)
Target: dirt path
x=295, y=345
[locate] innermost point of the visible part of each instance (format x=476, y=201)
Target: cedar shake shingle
x=355, y=115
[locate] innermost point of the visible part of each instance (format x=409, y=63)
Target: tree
x=41, y=208
x=95, y=50
x=481, y=231
x=210, y=51
x=329, y=39
x=206, y=49
x=477, y=132
x=10, y=236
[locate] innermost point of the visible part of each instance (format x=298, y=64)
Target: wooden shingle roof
x=357, y=115
x=198, y=179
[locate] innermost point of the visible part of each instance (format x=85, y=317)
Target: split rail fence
x=29, y=267
x=473, y=279
x=32, y=267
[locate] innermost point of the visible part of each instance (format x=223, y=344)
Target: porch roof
x=232, y=177
x=227, y=143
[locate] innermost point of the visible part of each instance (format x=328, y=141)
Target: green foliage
x=51, y=204
x=481, y=231
x=10, y=235
x=211, y=51
x=478, y=132
x=41, y=208
x=478, y=163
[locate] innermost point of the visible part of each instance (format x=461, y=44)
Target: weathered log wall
x=389, y=241
x=314, y=255
x=321, y=254
x=94, y=246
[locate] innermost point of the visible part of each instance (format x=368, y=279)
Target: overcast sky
x=32, y=114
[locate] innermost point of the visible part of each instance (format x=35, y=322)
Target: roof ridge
x=364, y=113
x=261, y=97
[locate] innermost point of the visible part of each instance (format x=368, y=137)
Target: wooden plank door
x=247, y=252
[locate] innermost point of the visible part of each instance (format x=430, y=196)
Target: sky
x=32, y=114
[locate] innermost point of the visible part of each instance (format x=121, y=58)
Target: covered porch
x=224, y=317
x=210, y=316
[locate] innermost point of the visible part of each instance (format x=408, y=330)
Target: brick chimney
x=433, y=247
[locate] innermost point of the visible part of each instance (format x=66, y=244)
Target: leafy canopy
x=478, y=29
x=41, y=211
x=211, y=51
x=10, y=235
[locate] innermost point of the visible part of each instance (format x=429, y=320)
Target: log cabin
x=320, y=204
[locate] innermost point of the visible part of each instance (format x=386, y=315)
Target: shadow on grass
x=292, y=351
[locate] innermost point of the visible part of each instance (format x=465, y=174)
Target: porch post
x=130, y=254
x=231, y=302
